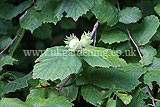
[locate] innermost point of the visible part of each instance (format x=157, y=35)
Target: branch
x=9, y=44
x=95, y=38
x=140, y=55
x=94, y=28
x=94, y=31
x=17, y=43
x=62, y=85
x=151, y=96
x=136, y=47
x=23, y=15
x=119, y=9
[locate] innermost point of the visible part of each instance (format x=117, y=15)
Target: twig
x=137, y=50
x=10, y=44
x=17, y=43
x=23, y=15
x=94, y=28
x=63, y=83
x=133, y=42
x=142, y=8
x=151, y=96
x=95, y=38
x=119, y=9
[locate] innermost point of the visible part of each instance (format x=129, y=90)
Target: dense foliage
x=64, y=53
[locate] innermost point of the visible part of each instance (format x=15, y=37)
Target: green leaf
x=56, y=102
x=124, y=97
x=111, y=103
x=7, y=75
x=91, y=95
x=158, y=52
x=4, y=26
x=148, y=54
x=105, y=12
x=145, y=31
x=42, y=98
x=18, y=9
x=70, y=92
x=114, y=36
x=31, y=20
x=123, y=47
x=48, y=11
x=43, y=32
x=109, y=92
x=8, y=11
x=158, y=103
x=152, y=75
x=157, y=9
x=67, y=23
x=52, y=93
x=4, y=41
x=74, y=8
x=106, y=77
x=96, y=56
x=138, y=97
x=130, y=15
x=7, y=60
x=134, y=69
x=17, y=84
x=36, y=97
x=155, y=64
x=156, y=36
x=56, y=63
x=13, y=102
x=2, y=85
x=16, y=74
x=5, y=9
x=146, y=4
x=40, y=4
x=81, y=80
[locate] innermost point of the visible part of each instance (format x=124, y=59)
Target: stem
x=140, y=55
x=9, y=44
x=17, y=43
x=151, y=96
x=119, y=9
x=23, y=15
x=137, y=50
x=95, y=38
x=94, y=28
x=63, y=83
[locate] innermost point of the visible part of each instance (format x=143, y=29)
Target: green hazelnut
x=85, y=39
